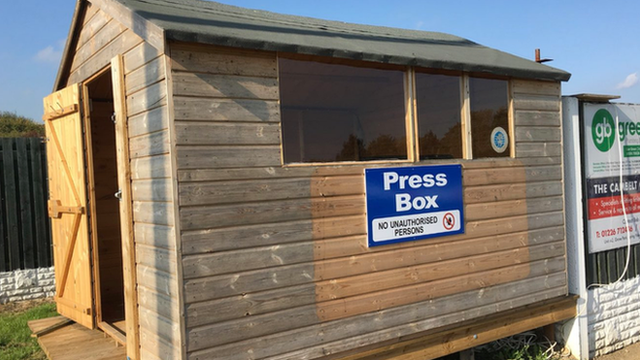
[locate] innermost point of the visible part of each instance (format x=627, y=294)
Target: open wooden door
x=68, y=205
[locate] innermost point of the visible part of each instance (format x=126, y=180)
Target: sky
x=597, y=42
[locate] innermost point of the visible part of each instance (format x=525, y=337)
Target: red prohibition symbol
x=449, y=221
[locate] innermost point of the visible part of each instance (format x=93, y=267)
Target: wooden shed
x=207, y=185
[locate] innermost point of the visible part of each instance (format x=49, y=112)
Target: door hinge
x=114, y=118
x=118, y=194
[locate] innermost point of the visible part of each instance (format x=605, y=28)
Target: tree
x=14, y=125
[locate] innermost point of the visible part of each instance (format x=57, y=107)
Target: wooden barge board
x=75, y=342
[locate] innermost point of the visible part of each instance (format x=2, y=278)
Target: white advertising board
x=612, y=170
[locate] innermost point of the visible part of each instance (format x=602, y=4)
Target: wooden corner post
x=126, y=211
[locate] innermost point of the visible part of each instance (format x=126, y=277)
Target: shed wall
x=100, y=39
x=274, y=258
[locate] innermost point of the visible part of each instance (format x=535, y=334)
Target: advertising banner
x=612, y=171
x=413, y=203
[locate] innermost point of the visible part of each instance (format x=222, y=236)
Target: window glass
x=334, y=112
x=489, y=117
x=438, y=107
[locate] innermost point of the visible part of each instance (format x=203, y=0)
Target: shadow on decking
x=73, y=341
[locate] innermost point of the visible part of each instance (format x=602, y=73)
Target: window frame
x=411, y=117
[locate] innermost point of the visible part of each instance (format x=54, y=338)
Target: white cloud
x=630, y=81
x=419, y=25
x=49, y=55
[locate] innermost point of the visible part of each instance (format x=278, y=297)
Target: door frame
x=116, y=67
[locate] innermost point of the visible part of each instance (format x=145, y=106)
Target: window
x=333, y=112
x=439, y=116
x=489, y=117
x=337, y=112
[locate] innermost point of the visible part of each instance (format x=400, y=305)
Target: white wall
x=29, y=284
x=614, y=316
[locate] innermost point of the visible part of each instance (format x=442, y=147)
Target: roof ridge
x=319, y=24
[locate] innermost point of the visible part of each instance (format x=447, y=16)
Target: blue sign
x=413, y=203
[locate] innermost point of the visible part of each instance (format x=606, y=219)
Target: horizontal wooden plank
x=190, y=133
x=437, y=324
x=332, y=289
x=538, y=134
x=476, y=177
x=536, y=102
x=212, y=193
x=101, y=38
x=152, y=190
x=412, y=316
x=493, y=210
x=537, y=118
x=502, y=192
x=102, y=58
x=138, y=56
x=331, y=262
x=218, y=60
x=254, y=326
x=143, y=77
x=159, y=303
x=538, y=149
x=156, y=258
x=263, y=279
x=95, y=21
x=89, y=13
x=255, y=303
x=201, y=157
x=531, y=87
x=277, y=172
x=156, y=143
x=201, y=289
x=224, y=86
x=203, y=217
x=340, y=228
x=151, y=167
x=165, y=329
x=189, y=108
x=158, y=281
x=250, y=304
x=248, y=236
x=151, y=343
x=155, y=235
x=485, y=330
x=158, y=213
x=148, y=122
x=147, y=99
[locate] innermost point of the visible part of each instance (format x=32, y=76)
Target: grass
x=16, y=342
x=526, y=352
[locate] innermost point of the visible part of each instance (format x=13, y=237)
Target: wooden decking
x=75, y=342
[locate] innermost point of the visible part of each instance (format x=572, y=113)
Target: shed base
x=75, y=342
x=469, y=334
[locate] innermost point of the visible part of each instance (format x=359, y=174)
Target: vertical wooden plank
x=621, y=261
x=410, y=115
x=176, y=206
x=636, y=260
x=4, y=264
x=467, y=152
x=126, y=210
x=612, y=270
x=40, y=218
x=13, y=232
x=25, y=202
x=601, y=259
x=511, y=119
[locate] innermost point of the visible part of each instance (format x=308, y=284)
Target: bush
x=14, y=125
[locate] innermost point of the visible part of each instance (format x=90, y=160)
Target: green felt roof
x=219, y=24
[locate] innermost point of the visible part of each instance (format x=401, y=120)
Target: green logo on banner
x=602, y=130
